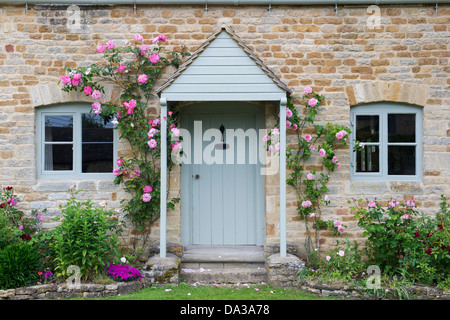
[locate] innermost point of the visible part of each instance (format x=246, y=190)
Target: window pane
x=368, y=159
x=367, y=128
x=401, y=160
x=58, y=128
x=97, y=157
x=95, y=129
x=58, y=157
x=401, y=127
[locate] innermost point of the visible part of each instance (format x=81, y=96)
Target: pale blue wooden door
x=226, y=205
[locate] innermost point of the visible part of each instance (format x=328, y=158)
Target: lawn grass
x=219, y=292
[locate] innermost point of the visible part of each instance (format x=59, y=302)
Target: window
x=74, y=143
x=392, y=138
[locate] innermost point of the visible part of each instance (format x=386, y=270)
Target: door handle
x=197, y=176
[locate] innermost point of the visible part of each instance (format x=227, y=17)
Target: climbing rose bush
x=134, y=69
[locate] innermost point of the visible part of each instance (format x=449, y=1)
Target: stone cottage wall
x=405, y=59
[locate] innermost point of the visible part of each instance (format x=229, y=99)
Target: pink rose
x=110, y=45
x=77, y=76
x=311, y=147
x=176, y=132
x=144, y=48
x=146, y=197
x=96, y=94
x=120, y=162
x=310, y=176
x=288, y=124
x=294, y=126
x=142, y=78
x=372, y=204
x=101, y=48
x=339, y=135
x=266, y=137
x=138, y=37
x=147, y=189
x=405, y=216
x=154, y=58
x=306, y=204
x=322, y=152
x=117, y=172
x=75, y=82
x=335, y=159
x=152, y=143
x=271, y=149
x=87, y=90
x=312, y=102
x=97, y=107
x=308, y=138
x=341, y=228
x=289, y=113
x=65, y=80
x=176, y=146
x=307, y=90
x=336, y=223
x=338, y=165
x=328, y=258
x=341, y=253
x=121, y=68
x=277, y=147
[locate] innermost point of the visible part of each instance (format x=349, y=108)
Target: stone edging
x=64, y=291
x=347, y=292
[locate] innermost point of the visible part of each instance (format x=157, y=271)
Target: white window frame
x=76, y=110
x=382, y=109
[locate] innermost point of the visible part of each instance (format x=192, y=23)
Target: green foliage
x=19, y=265
x=87, y=237
x=400, y=240
x=321, y=141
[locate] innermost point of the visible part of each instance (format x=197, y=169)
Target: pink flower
x=120, y=162
x=87, y=90
x=266, y=137
x=170, y=113
x=338, y=165
x=322, y=152
x=339, y=135
x=152, y=132
x=288, y=124
x=138, y=37
x=176, y=132
x=154, y=58
x=335, y=159
x=97, y=107
x=121, y=68
x=410, y=203
x=328, y=258
x=142, y=78
x=405, y=216
x=75, y=82
x=341, y=228
x=312, y=102
x=146, y=197
x=160, y=38
x=147, y=189
x=310, y=176
x=77, y=76
x=294, y=126
x=307, y=90
x=156, y=122
x=289, y=113
x=96, y=94
x=110, y=45
x=341, y=253
x=20, y=227
x=152, y=143
x=311, y=147
x=65, y=80
x=101, y=48
x=176, y=146
x=393, y=203
x=308, y=138
x=12, y=202
x=117, y=172
x=372, y=204
x=271, y=149
x=336, y=223
x=306, y=204
x=144, y=48
x=312, y=215
x=277, y=147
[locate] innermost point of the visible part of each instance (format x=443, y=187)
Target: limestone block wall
x=405, y=59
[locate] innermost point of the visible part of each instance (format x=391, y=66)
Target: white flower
x=123, y=259
x=114, y=121
x=103, y=203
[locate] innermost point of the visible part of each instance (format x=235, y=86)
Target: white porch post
x=163, y=165
x=283, y=103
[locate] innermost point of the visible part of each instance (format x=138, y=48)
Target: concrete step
x=224, y=276
x=223, y=264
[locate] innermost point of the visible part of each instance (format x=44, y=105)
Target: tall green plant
x=87, y=237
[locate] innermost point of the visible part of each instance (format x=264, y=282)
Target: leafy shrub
x=400, y=240
x=19, y=265
x=87, y=237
